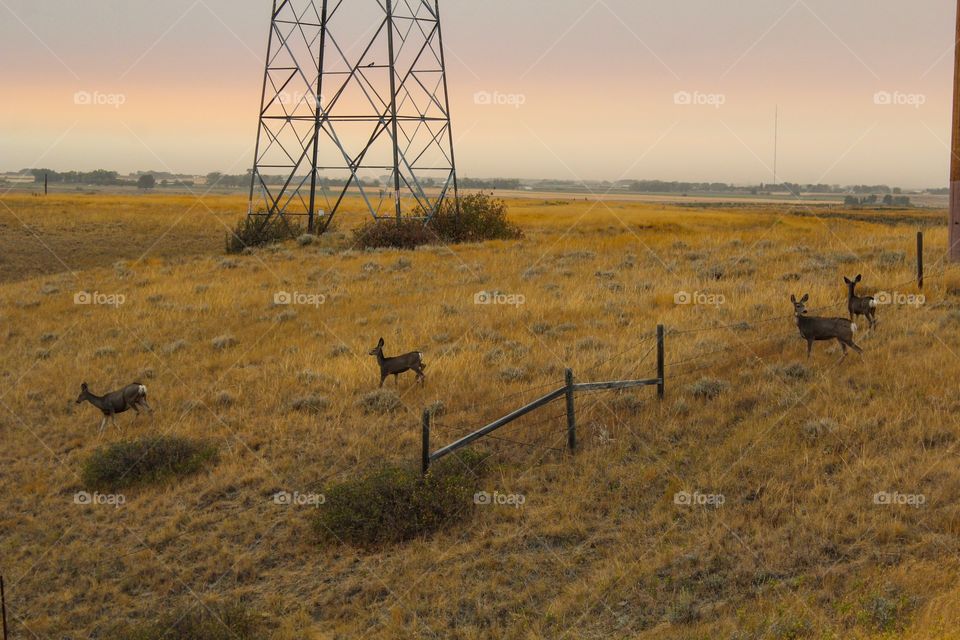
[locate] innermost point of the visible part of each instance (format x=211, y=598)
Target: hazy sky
x=598, y=81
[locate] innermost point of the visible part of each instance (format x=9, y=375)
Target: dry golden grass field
x=796, y=450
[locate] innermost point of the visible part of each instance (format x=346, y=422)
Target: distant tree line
x=857, y=194
x=217, y=179
x=98, y=177
x=888, y=200
x=494, y=183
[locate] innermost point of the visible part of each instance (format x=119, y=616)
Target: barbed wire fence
x=676, y=370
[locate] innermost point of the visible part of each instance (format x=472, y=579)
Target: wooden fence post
x=425, y=453
x=3, y=606
x=571, y=415
x=660, y=362
x=920, y=259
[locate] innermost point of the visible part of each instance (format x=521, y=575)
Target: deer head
x=852, y=283
x=800, y=307
x=84, y=393
x=378, y=350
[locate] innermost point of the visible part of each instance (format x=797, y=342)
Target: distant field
x=798, y=449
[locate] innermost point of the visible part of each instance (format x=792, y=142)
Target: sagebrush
x=145, y=460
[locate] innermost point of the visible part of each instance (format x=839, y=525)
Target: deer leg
x=382, y=378
x=103, y=423
x=144, y=403
x=396, y=379
x=809, y=347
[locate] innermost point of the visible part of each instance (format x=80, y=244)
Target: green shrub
x=480, y=217
x=405, y=233
x=146, y=460
x=395, y=503
x=258, y=232
x=195, y=622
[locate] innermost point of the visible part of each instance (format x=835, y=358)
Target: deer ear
x=793, y=299
x=859, y=278
x=83, y=387
x=847, y=280
x=805, y=297
x=381, y=342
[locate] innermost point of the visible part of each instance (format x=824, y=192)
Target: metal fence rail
x=568, y=391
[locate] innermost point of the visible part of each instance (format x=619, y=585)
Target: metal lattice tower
x=354, y=97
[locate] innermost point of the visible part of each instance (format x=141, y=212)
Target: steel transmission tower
x=354, y=100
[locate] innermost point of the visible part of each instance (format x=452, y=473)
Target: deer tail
x=853, y=327
x=143, y=390
x=873, y=303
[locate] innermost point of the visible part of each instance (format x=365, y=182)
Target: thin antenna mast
x=954, y=249
x=776, y=134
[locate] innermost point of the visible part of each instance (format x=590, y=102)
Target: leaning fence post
x=571, y=415
x=425, y=452
x=3, y=607
x=920, y=259
x=660, y=361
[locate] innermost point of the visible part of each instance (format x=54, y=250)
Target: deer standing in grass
x=133, y=396
x=857, y=306
x=814, y=329
x=412, y=361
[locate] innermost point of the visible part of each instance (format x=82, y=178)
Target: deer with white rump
x=857, y=306
x=412, y=361
x=133, y=396
x=814, y=329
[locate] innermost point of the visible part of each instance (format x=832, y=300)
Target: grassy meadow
x=782, y=458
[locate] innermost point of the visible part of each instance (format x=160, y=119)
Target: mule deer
x=858, y=306
x=133, y=396
x=412, y=361
x=816, y=329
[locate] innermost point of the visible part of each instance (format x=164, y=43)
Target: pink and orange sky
x=598, y=80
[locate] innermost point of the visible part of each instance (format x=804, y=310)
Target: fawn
x=857, y=306
x=133, y=396
x=398, y=364
x=816, y=329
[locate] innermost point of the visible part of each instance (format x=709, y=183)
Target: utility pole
x=954, y=250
